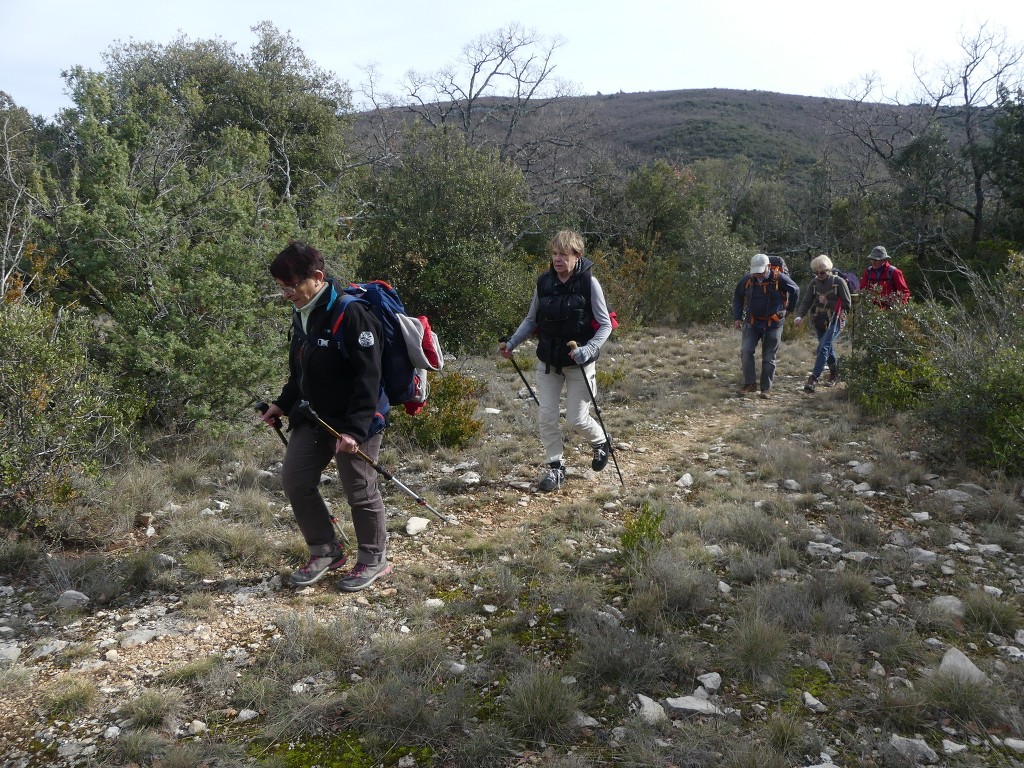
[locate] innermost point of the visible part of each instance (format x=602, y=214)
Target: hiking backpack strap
x=774, y=317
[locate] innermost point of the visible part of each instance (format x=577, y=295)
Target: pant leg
x=577, y=401
x=359, y=481
x=826, y=349
x=305, y=459
x=549, y=392
x=833, y=361
x=751, y=336
x=769, y=349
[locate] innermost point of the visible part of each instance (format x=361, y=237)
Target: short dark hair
x=298, y=261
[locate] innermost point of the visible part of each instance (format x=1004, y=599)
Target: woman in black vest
x=568, y=305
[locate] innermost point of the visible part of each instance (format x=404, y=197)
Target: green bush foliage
x=59, y=414
x=642, y=534
x=447, y=420
x=445, y=222
x=976, y=346
x=893, y=365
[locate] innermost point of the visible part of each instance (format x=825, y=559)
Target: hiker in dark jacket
x=761, y=300
x=828, y=300
x=340, y=375
x=568, y=305
x=883, y=282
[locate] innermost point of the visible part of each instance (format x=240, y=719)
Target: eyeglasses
x=822, y=272
x=287, y=288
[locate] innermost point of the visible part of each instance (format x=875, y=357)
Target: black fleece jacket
x=339, y=375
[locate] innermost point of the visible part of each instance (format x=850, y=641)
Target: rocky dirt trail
x=127, y=649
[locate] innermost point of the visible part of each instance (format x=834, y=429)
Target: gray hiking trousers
x=769, y=338
x=309, y=452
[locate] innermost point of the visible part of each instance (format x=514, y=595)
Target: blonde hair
x=821, y=263
x=567, y=240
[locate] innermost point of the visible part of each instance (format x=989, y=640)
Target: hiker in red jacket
x=883, y=282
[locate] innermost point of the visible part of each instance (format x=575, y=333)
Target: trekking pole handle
x=261, y=408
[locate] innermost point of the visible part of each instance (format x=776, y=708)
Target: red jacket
x=887, y=283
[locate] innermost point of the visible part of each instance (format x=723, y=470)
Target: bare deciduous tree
x=17, y=203
x=932, y=154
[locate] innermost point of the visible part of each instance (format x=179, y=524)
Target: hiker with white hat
x=760, y=302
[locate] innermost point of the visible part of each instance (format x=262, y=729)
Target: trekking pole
x=262, y=407
x=608, y=441
x=853, y=321
x=306, y=409
x=516, y=366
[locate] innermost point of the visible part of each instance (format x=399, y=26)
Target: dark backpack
x=852, y=281
x=777, y=264
x=411, y=348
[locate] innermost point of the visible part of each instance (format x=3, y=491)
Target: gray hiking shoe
x=364, y=575
x=832, y=380
x=810, y=384
x=553, y=478
x=317, y=567
x=601, y=453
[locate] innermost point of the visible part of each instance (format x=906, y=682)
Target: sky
x=789, y=46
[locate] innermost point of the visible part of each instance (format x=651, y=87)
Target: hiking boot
x=553, y=478
x=601, y=453
x=765, y=395
x=809, y=386
x=317, y=567
x=748, y=389
x=832, y=380
x=363, y=575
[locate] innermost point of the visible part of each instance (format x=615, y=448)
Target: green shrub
x=70, y=696
x=642, y=535
x=447, y=420
x=893, y=366
x=155, y=709
x=756, y=648
x=988, y=414
x=989, y=613
x=58, y=414
x=445, y=218
x=539, y=705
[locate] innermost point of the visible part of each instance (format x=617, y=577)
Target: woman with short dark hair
x=338, y=371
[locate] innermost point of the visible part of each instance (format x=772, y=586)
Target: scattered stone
x=954, y=496
x=914, y=750
x=9, y=653
x=416, y=525
x=813, y=704
x=649, y=711
x=949, y=604
x=71, y=598
x=956, y=664
x=1017, y=745
x=584, y=720
x=694, y=705
x=952, y=748
x=922, y=556
x=712, y=681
